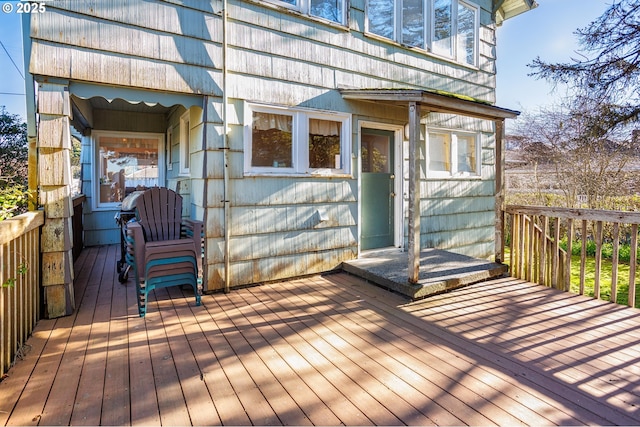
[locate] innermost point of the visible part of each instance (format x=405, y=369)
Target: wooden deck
x=327, y=350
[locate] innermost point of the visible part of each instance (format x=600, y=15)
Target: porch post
x=414, y=192
x=499, y=191
x=54, y=184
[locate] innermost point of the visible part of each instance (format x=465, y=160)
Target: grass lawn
x=605, y=279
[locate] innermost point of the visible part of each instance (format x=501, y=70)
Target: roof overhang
x=505, y=9
x=432, y=101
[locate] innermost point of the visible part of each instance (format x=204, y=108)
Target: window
x=380, y=18
x=453, y=154
x=272, y=140
x=442, y=43
x=282, y=140
x=445, y=27
x=125, y=162
x=331, y=10
x=413, y=23
x=466, y=31
x=185, y=136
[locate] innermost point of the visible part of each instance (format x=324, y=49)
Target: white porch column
x=414, y=192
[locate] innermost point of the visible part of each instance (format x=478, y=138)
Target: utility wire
x=12, y=61
x=11, y=93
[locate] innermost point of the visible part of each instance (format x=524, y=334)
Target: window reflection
x=413, y=23
x=272, y=140
x=443, y=25
x=125, y=165
x=324, y=144
x=375, y=154
x=380, y=17
x=327, y=9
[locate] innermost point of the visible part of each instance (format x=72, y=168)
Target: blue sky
x=546, y=32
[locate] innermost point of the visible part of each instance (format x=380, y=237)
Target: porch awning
x=432, y=101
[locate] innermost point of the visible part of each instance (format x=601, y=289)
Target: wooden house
x=302, y=132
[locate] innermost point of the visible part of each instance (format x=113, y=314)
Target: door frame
x=398, y=227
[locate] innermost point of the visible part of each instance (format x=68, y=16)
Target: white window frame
x=185, y=144
x=300, y=141
x=455, y=54
x=454, y=173
x=304, y=7
x=95, y=136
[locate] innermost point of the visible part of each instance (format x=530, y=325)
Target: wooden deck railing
x=20, y=276
x=534, y=235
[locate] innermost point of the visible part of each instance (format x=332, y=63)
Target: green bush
x=624, y=250
x=13, y=201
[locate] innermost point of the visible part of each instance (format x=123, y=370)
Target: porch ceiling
x=432, y=101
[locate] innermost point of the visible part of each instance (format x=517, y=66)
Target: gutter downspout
x=225, y=149
x=32, y=132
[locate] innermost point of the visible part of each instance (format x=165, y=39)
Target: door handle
x=392, y=176
x=392, y=194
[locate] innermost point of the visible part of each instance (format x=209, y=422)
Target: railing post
x=543, y=251
x=583, y=255
x=530, y=249
x=632, y=265
x=614, y=261
x=555, y=261
x=567, y=275
x=596, y=285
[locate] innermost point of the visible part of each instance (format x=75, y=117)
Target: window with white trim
x=285, y=140
x=185, y=136
x=448, y=28
x=453, y=154
x=331, y=10
x=125, y=162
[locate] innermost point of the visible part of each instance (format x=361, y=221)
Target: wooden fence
x=534, y=234
x=20, y=276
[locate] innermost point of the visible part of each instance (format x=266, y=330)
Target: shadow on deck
x=440, y=271
x=326, y=350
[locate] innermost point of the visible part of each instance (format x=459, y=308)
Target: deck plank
x=274, y=376
x=116, y=401
x=417, y=388
x=200, y=406
x=510, y=376
x=389, y=390
x=404, y=343
x=88, y=400
x=329, y=349
x=301, y=357
x=210, y=346
x=296, y=318
x=171, y=403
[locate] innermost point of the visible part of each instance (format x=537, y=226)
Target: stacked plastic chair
x=163, y=249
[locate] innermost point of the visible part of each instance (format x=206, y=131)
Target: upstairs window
x=331, y=10
x=445, y=27
x=283, y=141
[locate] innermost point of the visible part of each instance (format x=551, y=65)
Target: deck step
x=440, y=271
